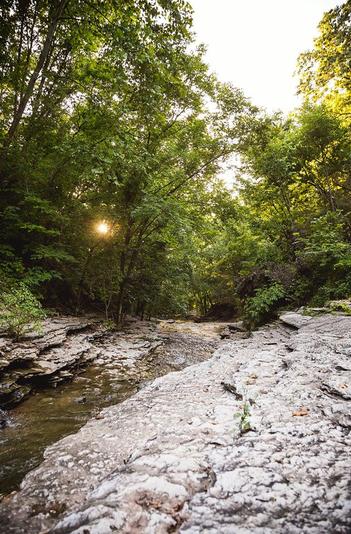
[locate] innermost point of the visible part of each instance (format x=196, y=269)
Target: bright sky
x=255, y=43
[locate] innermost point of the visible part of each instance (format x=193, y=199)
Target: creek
x=50, y=413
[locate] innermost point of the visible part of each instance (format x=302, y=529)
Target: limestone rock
x=172, y=457
x=47, y=358
x=295, y=320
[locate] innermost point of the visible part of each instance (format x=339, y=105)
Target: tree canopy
x=113, y=132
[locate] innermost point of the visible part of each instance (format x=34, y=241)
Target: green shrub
x=110, y=325
x=20, y=311
x=343, y=306
x=336, y=289
x=261, y=307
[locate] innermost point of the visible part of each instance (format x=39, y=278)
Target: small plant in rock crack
x=110, y=325
x=244, y=417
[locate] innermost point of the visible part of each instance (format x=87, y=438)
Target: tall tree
x=105, y=116
x=325, y=71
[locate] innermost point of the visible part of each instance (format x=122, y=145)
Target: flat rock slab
x=295, y=320
x=173, y=457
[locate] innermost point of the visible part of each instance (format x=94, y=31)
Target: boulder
x=296, y=320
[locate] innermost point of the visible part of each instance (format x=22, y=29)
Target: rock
x=295, y=320
x=47, y=359
x=225, y=334
x=233, y=328
x=316, y=311
x=237, y=327
x=172, y=457
x=339, y=385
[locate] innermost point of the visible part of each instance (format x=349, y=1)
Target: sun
x=102, y=228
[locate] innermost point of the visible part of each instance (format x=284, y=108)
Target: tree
x=105, y=116
x=109, y=113
x=325, y=70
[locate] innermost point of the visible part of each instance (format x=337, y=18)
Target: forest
x=175, y=268
x=114, y=135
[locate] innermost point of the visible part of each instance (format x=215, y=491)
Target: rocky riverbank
x=124, y=361
x=253, y=440
x=67, y=345
x=49, y=358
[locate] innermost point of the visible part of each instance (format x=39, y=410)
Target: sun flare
x=102, y=228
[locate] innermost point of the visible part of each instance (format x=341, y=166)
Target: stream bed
x=175, y=456
x=52, y=413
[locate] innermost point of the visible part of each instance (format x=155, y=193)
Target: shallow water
x=51, y=414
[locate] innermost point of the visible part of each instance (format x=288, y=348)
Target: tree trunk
x=120, y=300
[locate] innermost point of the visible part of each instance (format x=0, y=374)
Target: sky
x=254, y=44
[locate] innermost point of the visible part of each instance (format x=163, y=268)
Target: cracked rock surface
x=174, y=458
x=47, y=358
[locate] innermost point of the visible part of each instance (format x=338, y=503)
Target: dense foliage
x=113, y=133
x=284, y=240
x=20, y=311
